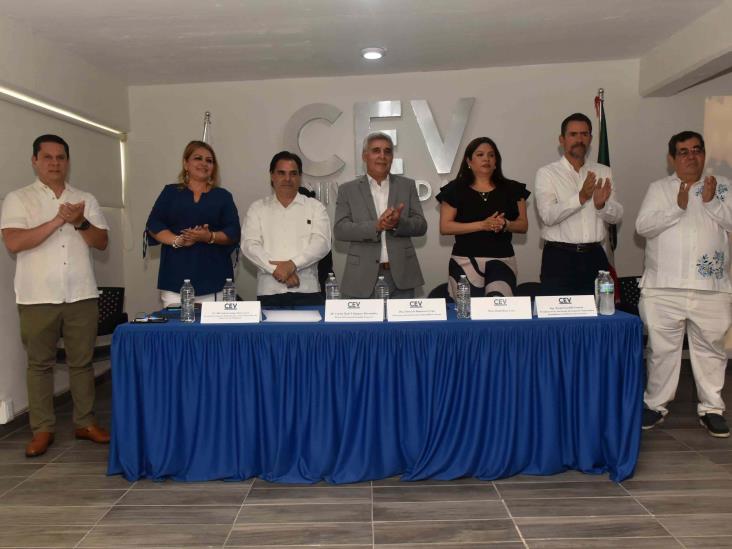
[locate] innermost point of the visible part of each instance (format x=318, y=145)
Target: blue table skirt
x=353, y=402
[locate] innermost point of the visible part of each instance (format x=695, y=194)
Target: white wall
x=33, y=65
x=520, y=107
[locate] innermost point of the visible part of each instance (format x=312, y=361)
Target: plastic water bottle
x=187, y=296
x=598, y=280
x=382, y=291
x=462, y=298
x=332, y=290
x=606, y=292
x=229, y=291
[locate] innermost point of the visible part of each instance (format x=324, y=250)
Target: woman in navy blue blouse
x=482, y=208
x=197, y=223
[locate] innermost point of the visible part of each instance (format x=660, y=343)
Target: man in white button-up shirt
x=51, y=226
x=576, y=201
x=686, y=286
x=285, y=235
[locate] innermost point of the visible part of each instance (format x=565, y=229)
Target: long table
x=353, y=402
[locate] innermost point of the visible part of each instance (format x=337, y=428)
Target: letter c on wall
x=295, y=125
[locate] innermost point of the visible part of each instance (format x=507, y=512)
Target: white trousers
x=705, y=317
x=173, y=298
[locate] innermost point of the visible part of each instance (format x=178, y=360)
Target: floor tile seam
x=694, y=514
x=512, y=498
x=521, y=518
x=316, y=502
x=513, y=521
x=645, y=515
x=647, y=510
x=373, y=527
x=67, y=489
x=238, y=513
x=11, y=433
x=302, y=523
x=601, y=537
x=3, y=493
x=474, y=500
x=708, y=536
x=491, y=519
x=171, y=490
x=104, y=515
x=311, y=545
x=681, y=441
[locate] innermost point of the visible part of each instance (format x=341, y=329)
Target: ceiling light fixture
x=372, y=54
x=58, y=112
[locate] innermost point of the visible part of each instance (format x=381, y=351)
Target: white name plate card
x=231, y=312
x=408, y=310
x=500, y=308
x=548, y=306
x=354, y=310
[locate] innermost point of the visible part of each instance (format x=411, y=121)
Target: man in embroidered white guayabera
x=686, y=286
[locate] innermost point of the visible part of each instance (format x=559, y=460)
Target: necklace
x=484, y=195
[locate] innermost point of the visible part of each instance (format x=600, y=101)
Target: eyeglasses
x=694, y=151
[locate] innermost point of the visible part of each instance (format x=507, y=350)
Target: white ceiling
x=172, y=41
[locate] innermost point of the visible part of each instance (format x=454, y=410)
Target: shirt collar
x=38, y=184
x=373, y=182
x=675, y=177
x=567, y=165
x=299, y=199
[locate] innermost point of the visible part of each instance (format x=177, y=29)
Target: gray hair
x=374, y=136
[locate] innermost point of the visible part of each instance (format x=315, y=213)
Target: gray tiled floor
x=680, y=496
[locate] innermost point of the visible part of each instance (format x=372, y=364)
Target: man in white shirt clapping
x=576, y=201
x=686, y=285
x=51, y=227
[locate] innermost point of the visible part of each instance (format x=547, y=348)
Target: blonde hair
x=187, y=152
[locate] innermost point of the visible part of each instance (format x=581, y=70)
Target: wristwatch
x=84, y=225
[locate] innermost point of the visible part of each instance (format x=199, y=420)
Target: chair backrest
x=528, y=289
x=440, y=291
x=111, y=305
x=629, y=289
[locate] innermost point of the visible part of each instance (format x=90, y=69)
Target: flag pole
x=206, y=127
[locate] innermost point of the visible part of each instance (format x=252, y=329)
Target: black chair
x=629, y=294
x=111, y=315
x=528, y=289
x=440, y=291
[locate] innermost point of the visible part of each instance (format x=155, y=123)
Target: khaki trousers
x=41, y=326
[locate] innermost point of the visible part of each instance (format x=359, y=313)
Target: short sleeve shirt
x=473, y=206
x=60, y=269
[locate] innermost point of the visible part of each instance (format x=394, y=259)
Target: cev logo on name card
x=548, y=306
x=231, y=312
x=354, y=310
x=406, y=310
x=500, y=308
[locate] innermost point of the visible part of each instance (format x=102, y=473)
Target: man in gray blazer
x=377, y=214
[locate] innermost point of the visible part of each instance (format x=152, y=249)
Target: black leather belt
x=577, y=248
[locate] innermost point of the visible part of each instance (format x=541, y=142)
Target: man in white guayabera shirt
x=52, y=227
x=686, y=286
x=285, y=235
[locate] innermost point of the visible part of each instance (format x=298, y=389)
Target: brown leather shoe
x=95, y=433
x=39, y=444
